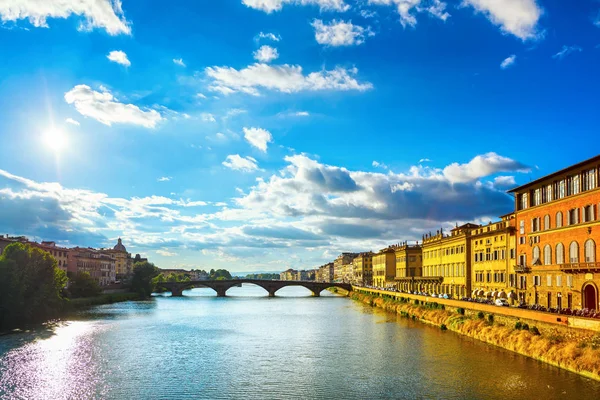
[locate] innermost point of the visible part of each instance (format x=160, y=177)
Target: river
x=248, y=346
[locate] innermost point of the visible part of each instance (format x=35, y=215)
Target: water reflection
x=252, y=346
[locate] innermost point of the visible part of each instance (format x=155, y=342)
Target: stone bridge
x=221, y=287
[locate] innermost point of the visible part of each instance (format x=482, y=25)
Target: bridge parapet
x=221, y=287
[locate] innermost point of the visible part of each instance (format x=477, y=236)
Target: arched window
x=547, y=255
x=560, y=253
x=547, y=222
x=559, y=219
x=536, y=255
x=574, y=253
x=590, y=251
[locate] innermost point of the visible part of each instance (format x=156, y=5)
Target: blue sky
x=267, y=134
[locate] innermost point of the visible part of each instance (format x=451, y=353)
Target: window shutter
x=583, y=216
x=532, y=224
x=568, y=217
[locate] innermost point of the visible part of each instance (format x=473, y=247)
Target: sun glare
x=55, y=140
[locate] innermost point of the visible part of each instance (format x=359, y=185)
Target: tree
x=220, y=273
x=143, y=273
x=31, y=286
x=83, y=285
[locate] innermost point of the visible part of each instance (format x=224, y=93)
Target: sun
x=55, y=140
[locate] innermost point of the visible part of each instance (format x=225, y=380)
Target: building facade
x=384, y=267
x=325, y=273
x=409, y=264
x=363, y=269
x=557, y=230
x=342, y=267
x=493, y=254
x=98, y=263
x=447, y=262
x=61, y=254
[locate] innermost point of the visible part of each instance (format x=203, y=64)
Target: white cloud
x=258, y=137
x=269, y=36
x=104, y=14
x=566, y=50
x=266, y=54
x=208, y=117
x=179, y=62
x=302, y=114
x=424, y=160
x=367, y=14
x=244, y=164
x=103, y=107
x=200, y=95
x=504, y=181
x=269, y=6
x=377, y=164
x=283, y=78
x=515, y=17
x=119, y=57
x=480, y=166
x=407, y=9
x=165, y=253
x=72, y=121
x=164, y=179
x=508, y=61
x=340, y=33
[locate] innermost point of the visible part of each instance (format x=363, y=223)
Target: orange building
x=557, y=227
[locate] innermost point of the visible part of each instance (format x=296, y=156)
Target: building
x=325, y=273
x=123, y=260
x=447, y=262
x=557, y=230
x=100, y=264
x=493, y=253
x=384, y=267
x=61, y=254
x=409, y=264
x=198, y=275
x=288, y=275
x=6, y=240
x=342, y=269
x=363, y=269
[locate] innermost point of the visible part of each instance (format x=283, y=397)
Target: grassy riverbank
x=579, y=356
x=83, y=302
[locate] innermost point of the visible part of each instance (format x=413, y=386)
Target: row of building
x=542, y=253
x=106, y=266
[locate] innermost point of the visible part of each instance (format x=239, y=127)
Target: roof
x=560, y=172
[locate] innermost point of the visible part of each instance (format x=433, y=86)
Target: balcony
x=580, y=267
x=522, y=269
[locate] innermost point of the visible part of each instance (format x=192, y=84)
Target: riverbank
x=107, y=298
x=576, y=353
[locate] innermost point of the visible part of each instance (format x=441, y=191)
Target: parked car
x=502, y=303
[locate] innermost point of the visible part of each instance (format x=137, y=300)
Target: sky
x=261, y=135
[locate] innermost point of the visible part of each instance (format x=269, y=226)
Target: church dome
x=119, y=246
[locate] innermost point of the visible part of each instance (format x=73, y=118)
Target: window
x=537, y=280
x=570, y=280
x=546, y=222
x=589, y=180
x=522, y=227
x=522, y=260
x=574, y=253
x=536, y=255
x=561, y=189
x=573, y=216
x=522, y=282
x=512, y=254
x=588, y=213
x=559, y=219
x=537, y=197
x=549, y=280
x=523, y=201
x=558, y=280
x=522, y=240
x=590, y=251
x=548, y=193
x=535, y=224
x=547, y=255
x=575, y=184
x=560, y=254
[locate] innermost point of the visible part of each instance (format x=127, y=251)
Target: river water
x=248, y=346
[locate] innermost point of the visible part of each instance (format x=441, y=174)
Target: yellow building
x=447, y=262
x=363, y=269
x=493, y=252
x=384, y=267
x=342, y=267
x=409, y=263
x=123, y=261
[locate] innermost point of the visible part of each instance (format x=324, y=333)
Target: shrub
x=416, y=302
x=525, y=327
x=519, y=325
x=443, y=327
x=491, y=318
x=443, y=307
x=480, y=315
x=535, y=330
x=461, y=311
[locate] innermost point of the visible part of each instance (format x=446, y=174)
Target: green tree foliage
x=220, y=274
x=265, y=276
x=30, y=286
x=141, y=282
x=83, y=285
